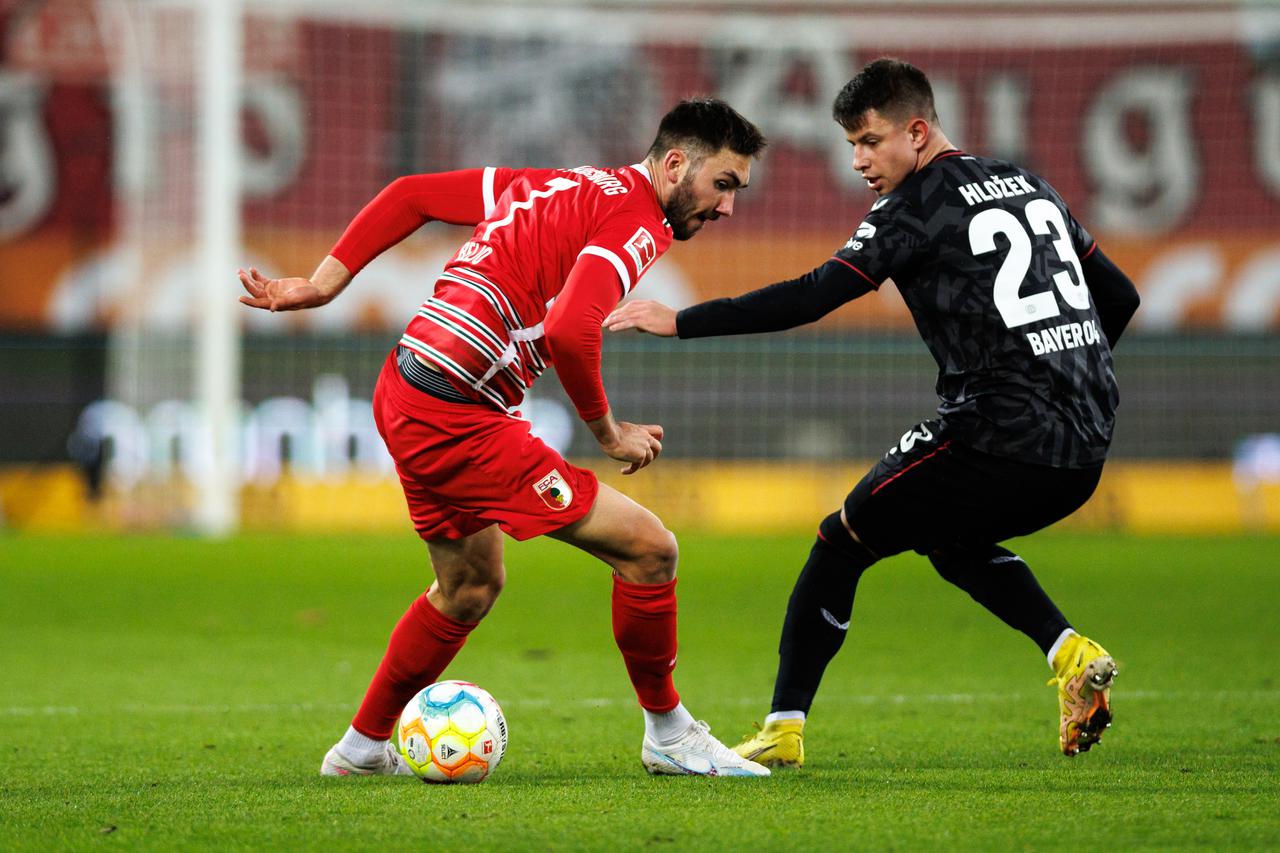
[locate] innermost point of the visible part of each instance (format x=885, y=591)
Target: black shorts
x=931, y=491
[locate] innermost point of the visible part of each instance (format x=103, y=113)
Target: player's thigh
x=617, y=528
x=905, y=496
x=938, y=493
x=465, y=467
x=434, y=516
x=1031, y=497
x=994, y=498
x=524, y=485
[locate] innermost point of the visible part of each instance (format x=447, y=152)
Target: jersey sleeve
x=886, y=242
x=1114, y=296
x=784, y=305
x=1081, y=239
x=630, y=244
x=493, y=184
x=573, y=332
x=464, y=197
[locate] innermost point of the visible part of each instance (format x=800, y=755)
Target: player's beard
x=681, y=207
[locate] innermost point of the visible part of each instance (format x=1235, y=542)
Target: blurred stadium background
x=150, y=147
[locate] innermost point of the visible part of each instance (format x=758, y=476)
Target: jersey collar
x=640, y=167
x=643, y=170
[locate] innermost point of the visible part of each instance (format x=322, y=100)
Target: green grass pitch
x=165, y=693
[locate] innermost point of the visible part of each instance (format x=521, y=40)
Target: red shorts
x=465, y=466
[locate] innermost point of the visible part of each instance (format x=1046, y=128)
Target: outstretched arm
x=460, y=198
x=779, y=306
x=464, y=197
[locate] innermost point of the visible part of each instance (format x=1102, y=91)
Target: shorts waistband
x=426, y=380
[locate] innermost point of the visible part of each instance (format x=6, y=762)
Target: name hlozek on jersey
x=608, y=184
x=1066, y=336
x=994, y=188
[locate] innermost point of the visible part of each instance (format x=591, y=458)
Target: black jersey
x=988, y=259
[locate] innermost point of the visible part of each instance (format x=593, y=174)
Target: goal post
x=217, y=334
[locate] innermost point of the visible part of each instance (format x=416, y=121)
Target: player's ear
x=674, y=164
x=918, y=130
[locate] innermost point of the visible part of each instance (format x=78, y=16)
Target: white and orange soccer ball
x=452, y=731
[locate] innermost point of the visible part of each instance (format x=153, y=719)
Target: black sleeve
x=784, y=305
x=1113, y=294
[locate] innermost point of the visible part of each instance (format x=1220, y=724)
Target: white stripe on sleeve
x=487, y=189
x=613, y=259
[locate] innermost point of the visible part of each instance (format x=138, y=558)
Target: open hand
x=281, y=294
x=643, y=315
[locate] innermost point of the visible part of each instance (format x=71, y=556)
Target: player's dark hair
x=703, y=126
x=895, y=89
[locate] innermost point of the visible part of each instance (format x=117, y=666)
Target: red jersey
x=484, y=326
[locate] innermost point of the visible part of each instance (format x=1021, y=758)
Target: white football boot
x=696, y=753
x=335, y=764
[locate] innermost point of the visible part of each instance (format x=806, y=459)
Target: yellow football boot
x=1084, y=675
x=777, y=744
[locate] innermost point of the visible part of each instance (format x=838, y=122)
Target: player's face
x=706, y=192
x=884, y=151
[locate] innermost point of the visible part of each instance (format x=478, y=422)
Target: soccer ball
x=452, y=731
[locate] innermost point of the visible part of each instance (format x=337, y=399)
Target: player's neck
x=653, y=177
x=937, y=144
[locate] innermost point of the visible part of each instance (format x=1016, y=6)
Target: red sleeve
x=464, y=197
x=573, y=332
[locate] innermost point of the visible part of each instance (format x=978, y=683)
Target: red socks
x=644, y=626
x=422, y=645
x=425, y=641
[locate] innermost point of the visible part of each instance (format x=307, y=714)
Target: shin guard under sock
x=1000, y=581
x=644, y=627
x=818, y=614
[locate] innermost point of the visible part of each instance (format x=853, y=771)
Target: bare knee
x=468, y=596
x=654, y=556
x=473, y=603
x=469, y=575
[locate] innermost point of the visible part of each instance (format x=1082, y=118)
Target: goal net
x=1159, y=123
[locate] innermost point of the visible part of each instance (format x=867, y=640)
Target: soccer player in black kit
x=1020, y=309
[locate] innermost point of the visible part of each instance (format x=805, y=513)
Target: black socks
x=1000, y=581
x=818, y=614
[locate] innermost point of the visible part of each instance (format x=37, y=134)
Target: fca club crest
x=554, y=491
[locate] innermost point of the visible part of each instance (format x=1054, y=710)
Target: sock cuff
x=643, y=593
x=362, y=743
x=444, y=628
x=778, y=716
x=667, y=725
x=1067, y=634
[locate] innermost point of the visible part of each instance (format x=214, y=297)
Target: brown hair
x=703, y=126
x=895, y=89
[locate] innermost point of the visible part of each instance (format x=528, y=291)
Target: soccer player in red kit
x=552, y=253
